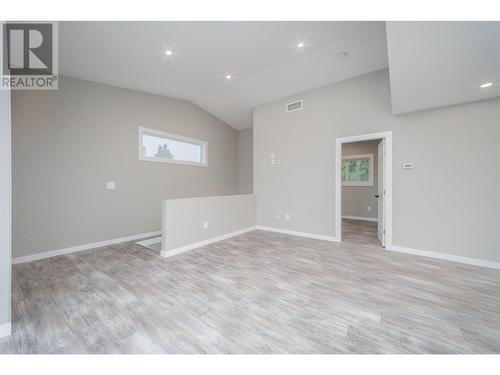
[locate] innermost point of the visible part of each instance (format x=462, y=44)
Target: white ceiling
x=262, y=57
x=434, y=64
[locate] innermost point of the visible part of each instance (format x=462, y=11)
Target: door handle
x=377, y=195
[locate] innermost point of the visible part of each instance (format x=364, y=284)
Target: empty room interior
x=250, y=187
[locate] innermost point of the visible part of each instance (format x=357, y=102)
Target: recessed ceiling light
x=228, y=76
x=300, y=44
x=168, y=52
x=486, y=85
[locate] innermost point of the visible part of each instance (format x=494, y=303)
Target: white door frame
x=387, y=176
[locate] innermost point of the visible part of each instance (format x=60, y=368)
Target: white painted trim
x=300, y=234
x=175, y=137
x=365, y=137
x=444, y=256
x=388, y=180
x=196, y=245
x=5, y=329
x=210, y=196
x=150, y=241
x=359, y=218
x=74, y=249
x=370, y=170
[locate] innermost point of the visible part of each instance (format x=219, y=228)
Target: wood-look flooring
x=360, y=232
x=155, y=247
x=260, y=292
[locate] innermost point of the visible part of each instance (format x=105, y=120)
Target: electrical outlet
x=205, y=225
x=110, y=185
x=287, y=217
x=277, y=215
x=369, y=208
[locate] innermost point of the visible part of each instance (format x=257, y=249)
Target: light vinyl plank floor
x=260, y=292
x=360, y=232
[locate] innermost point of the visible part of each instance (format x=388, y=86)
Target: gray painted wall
x=357, y=199
x=183, y=218
x=5, y=194
x=68, y=143
x=449, y=203
x=245, y=161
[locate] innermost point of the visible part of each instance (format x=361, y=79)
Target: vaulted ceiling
x=431, y=63
x=435, y=64
x=263, y=59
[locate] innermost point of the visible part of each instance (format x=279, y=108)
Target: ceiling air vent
x=295, y=106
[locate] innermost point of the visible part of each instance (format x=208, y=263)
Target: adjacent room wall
x=245, y=161
x=357, y=199
x=5, y=205
x=68, y=143
x=449, y=203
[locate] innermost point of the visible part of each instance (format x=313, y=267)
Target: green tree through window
x=355, y=170
x=164, y=152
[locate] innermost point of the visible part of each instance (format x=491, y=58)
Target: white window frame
x=175, y=137
x=370, y=170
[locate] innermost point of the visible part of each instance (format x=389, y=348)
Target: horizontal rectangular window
x=357, y=170
x=155, y=145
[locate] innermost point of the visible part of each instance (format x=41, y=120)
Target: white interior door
x=381, y=192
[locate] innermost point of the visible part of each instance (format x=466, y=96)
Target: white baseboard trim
x=74, y=249
x=150, y=241
x=359, y=218
x=183, y=249
x=5, y=329
x=300, y=234
x=449, y=257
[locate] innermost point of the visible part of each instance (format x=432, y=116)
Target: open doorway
x=364, y=189
x=361, y=198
